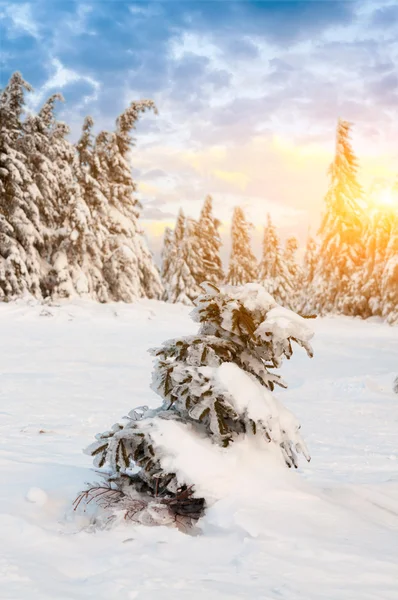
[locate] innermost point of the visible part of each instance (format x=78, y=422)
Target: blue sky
x=248, y=93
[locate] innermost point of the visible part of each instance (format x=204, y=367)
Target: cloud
x=385, y=17
x=61, y=78
x=235, y=178
x=248, y=92
x=20, y=20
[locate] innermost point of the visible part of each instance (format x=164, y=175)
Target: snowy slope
x=327, y=532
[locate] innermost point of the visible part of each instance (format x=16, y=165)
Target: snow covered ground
x=326, y=532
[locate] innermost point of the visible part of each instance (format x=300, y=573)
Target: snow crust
x=328, y=531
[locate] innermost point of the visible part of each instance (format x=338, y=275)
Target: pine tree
x=306, y=289
x=273, y=272
x=340, y=253
x=182, y=266
x=128, y=266
x=210, y=243
x=367, y=281
x=242, y=263
x=295, y=273
x=63, y=212
x=310, y=260
x=168, y=260
x=87, y=172
x=389, y=281
x=215, y=386
x=20, y=227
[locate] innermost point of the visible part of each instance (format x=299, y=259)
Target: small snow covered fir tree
x=242, y=262
x=216, y=390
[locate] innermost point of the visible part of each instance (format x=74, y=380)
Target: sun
x=386, y=197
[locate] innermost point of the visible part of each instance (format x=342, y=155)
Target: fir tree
x=389, y=281
x=210, y=243
x=87, y=170
x=215, y=385
x=306, y=289
x=63, y=212
x=20, y=227
x=242, y=263
x=182, y=262
x=128, y=267
x=367, y=281
x=168, y=260
x=340, y=231
x=295, y=274
x=310, y=260
x=273, y=272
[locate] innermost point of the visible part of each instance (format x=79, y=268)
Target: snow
x=328, y=531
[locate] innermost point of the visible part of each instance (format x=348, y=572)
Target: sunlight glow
x=385, y=198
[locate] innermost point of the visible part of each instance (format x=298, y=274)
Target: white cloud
x=60, y=77
x=21, y=19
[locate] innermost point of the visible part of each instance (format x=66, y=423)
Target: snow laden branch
x=215, y=386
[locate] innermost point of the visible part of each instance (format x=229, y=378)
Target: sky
x=248, y=94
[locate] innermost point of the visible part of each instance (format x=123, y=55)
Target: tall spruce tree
x=210, y=243
x=21, y=234
x=63, y=211
x=242, y=263
x=340, y=253
x=87, y=171
x=128, y=266
x=273, y=272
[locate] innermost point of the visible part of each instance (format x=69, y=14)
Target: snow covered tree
x=310, y=260
x=210, y=243
x=367, y=281
x=294, y=272
x=68, y=215
x=128, y=266
x=389, y=281
x=20, y=227
x=168, y=257
x=216, y=389
x=92, y=240
x=290, y=256
x=242, y=262
x=63, y=212
x=340, y=252
x=308, y=273
x=273, y=272
x=182, y=266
